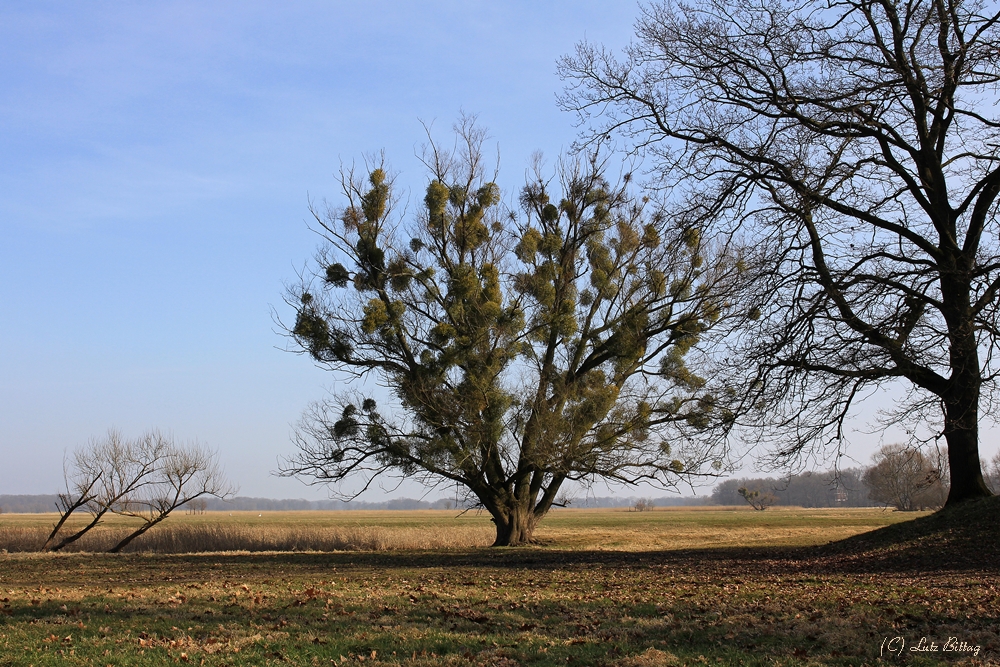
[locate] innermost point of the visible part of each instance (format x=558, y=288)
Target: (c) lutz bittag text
x=898, y=646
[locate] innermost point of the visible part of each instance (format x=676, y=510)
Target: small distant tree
x=757, y=499
x=197, y=506
x=904, y=478
x=644, y=505
x=993, y=473
x=146, y=477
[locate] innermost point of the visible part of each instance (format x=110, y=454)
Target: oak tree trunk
x=961, y=398
x=961, y=431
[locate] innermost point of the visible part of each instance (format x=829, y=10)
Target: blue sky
x=157, y=160
x=157, y=163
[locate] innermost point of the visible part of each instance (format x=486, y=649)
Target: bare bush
x=102, y=475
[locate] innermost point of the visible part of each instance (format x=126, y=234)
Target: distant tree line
x=845, y=488
x=34, y=504
x=29, y=504
x=901, y=477
x=244, y=504
x=37, y=504
x=633, y=501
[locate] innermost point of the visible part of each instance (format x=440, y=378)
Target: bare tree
x=116, y=475
x=857, y=141
x=993, y=473
x=186, y=474
x=101, y=475
x=905, y=478
x=842, y=487
x=522, y=351
x=644, y=505
x=198, y=506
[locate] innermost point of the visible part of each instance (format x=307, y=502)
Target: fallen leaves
x=488, y=607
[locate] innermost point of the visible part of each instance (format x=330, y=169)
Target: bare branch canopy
x=858, y=142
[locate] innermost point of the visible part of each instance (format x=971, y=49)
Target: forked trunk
x=55, y=529
x=516, y=528
x=75, y=536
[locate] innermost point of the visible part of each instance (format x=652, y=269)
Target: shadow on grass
x=959, y=539
x=964, y=538
x=541, y=606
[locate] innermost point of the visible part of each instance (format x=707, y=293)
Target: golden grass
x=253, y=531
x=584, y=529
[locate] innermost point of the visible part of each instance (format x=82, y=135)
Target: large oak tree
x=516, y=349
x=859, y=140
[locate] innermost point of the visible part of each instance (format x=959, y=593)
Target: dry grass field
x=265, y=531
x=604, y=587
x=587, y=529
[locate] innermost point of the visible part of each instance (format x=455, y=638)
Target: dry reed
x=235, y=537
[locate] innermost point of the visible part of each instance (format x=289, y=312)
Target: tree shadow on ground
x=965, y=538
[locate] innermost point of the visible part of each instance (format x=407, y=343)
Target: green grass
x=741, y=602
x=680, y=528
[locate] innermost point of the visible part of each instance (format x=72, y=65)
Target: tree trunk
x=516, y=528
x=140, y=531
x=961, y=431
x=75, y=536
x=961, y=399
x=55, y=529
